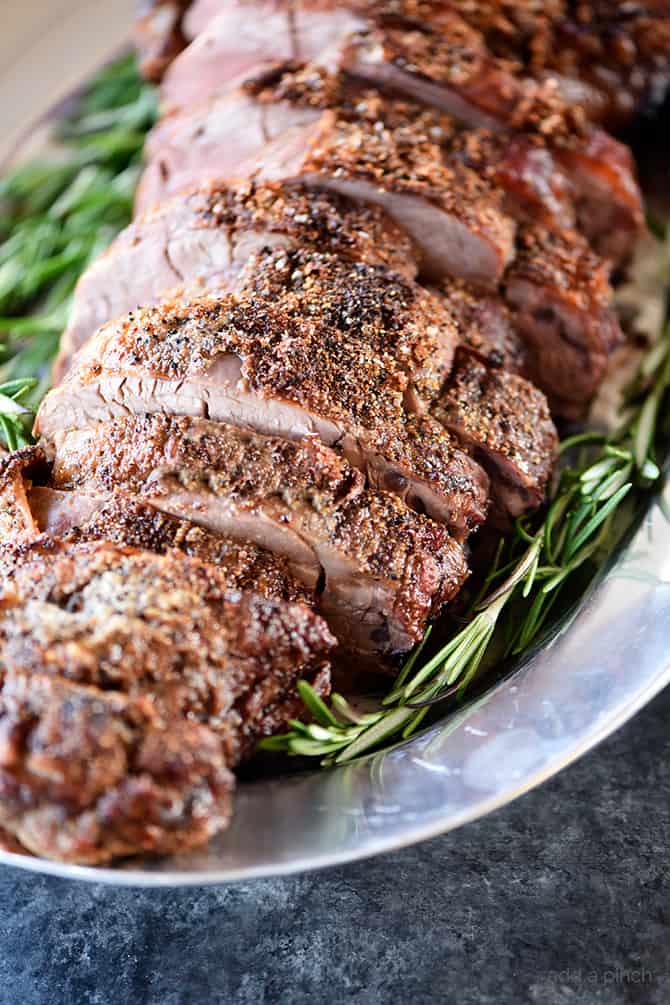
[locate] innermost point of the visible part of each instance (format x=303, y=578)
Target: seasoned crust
x=563, y=261
x=399, y=145
x=26, y=499
x=124, y=520
x=387, y=312
x=325, y=220
x=351, y=352
x=130, y=684
x=453, y=54
x=486, y=327
x=89, y=775
x=506, y=422
x=164, y=627
x=305, y=498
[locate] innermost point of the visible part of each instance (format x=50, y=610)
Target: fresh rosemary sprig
x=14, y=416
x=57, y=215
x=527, y=579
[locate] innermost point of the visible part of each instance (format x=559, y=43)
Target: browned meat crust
x=506, y=423
x=245, y=565
x=87, y=776
x=203, y=240
x=130, y=682
x=618, y=54
x=30, y=506
x=343, y=367
x=407, y=160
x=561, y=298
x=380, y=570
x=386, y=312
x=486, y=327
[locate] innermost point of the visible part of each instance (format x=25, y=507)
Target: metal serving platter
x=603, y=665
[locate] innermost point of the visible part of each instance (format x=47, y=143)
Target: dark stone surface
x=558, y=899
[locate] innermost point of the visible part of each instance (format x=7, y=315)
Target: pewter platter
x=609, y=659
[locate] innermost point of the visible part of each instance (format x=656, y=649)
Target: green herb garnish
x=528, y=580
x=57, y=215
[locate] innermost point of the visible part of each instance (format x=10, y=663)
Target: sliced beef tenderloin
x=32, y=506
x=131, y=683
x=561, y=301
x=87, y=776
x=351, y=371
x=609, y=205
x=125, y=520
x=446, y=63
x=370, y=149
x=17, y=519
x=193, y=646
x=380, y=570
x=505, y=422
x=202, y=240
x=247, y=36
x=450, y=57
x=453, y=215
x=486, y=327
x=213, y=139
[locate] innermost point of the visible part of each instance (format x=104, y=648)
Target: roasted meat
x=486, y=328
x=247, y=36
x=304, y=122
x=378, y=569
x=372, y=237
x=202, y=241
x=372, y=150
x=30, y=505
x=561, y=300
x=131, y=683
x=159, y=35
x=352, y=365
x=504, y=421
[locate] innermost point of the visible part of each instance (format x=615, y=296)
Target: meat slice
x=373, y=150
x=505, y=422
x=201, y=241
x=31, y=506
x=343, y=368
x=249, y=35
x=87, y=776
x=17, y=520
x=383, y=149
x=561, y=300
x=446, y=63
x=130, y=684
x=200, y=14
x=453, y=215
x=608, y=200
x=214, y=138
x=124, y=520
x=486, y=327
x=380, y=570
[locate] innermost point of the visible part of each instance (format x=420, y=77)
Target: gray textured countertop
x=561, y=897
